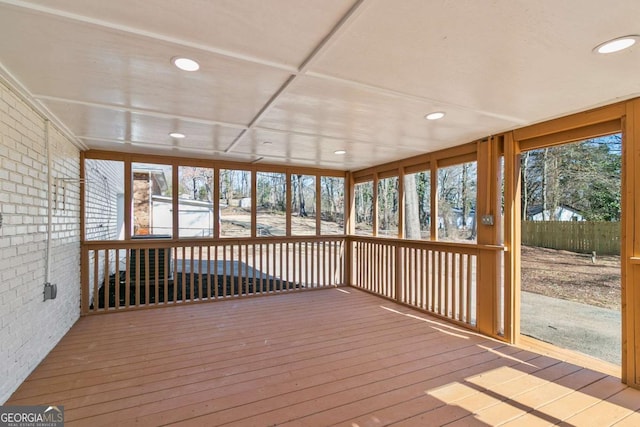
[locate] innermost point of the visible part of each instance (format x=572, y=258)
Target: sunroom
x=272, y=212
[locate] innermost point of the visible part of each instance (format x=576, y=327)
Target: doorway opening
x=570, y=247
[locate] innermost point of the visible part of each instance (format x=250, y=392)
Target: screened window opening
x=235, y=203
x=152, y=201
x=364, y=208
x=457, y=187
x=271, y=200
x=303, y=205
x=195, y=201
x=388, y=207
x=417, y=205
x=332, y=201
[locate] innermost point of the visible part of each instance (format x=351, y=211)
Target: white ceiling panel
x=78, y=61
x=276, y=31
x=524, y=59
x=323, y=107
x=318, y=151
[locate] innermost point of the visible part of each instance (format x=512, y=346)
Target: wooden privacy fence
x=130, y=275
x=574, y=236
x=433, y=276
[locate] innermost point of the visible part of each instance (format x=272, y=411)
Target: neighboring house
x=195, y=216
x=455, y=219
x=561, y=213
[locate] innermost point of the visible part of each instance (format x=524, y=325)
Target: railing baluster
x=96, y=278
x=261, y=271
x=406, y=276
x=127, y=279
x=470, y=290
x=308, y=266
x=371, y=265
x=216, y=283
x=248, y=274
x=136, y=282
x=224, y=271
x=254, y=277
x=434, y=281
x=418, y=273
x=107, y=281
x=460, y=287
x=376, y=270
x=447, y=284
x=200, y=281
x=209, y=272
x=175, y=275
x=393, y=280
x=282, y=271
x=116, y=281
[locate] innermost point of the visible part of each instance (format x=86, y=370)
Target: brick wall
x=104, y=183
x=104, y=216
x=29, y=326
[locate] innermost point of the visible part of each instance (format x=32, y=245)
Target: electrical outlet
x=487, y=219
x=50, y=291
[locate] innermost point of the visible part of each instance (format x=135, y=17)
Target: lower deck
x=327, y=357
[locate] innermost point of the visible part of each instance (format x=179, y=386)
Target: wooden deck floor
x=335, y=356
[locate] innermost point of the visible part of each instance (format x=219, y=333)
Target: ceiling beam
x=316, y=53
x=142, y=112
x=335, y=138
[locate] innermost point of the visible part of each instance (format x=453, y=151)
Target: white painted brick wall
x=104, y=181
x=30, y=327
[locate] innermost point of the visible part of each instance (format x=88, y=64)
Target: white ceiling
x=314, y=76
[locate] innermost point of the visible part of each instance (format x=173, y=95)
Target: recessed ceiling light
x=616, y=45
x=340, y=152
x=177, y=135
x=435, y=115
x=267, y=142
x=185, y=64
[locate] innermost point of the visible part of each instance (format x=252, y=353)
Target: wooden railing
x=437, y=277
x=130, y=275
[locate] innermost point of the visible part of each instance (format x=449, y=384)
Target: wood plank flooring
x=328, y=357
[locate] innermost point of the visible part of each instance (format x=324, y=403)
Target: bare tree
x=412, y=210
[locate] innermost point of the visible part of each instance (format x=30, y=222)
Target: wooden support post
x=401, y=212
x=488, y=263
x=254, y=207
x=288, y=204
x=318, y=204
x=374, y=231
x=216, y=204
x=512, y=230
x=350, y=219
x=128, y=196
x=630, y=250
x=433, y=232
x=175, y=183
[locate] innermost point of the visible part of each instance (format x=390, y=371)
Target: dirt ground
x=572, y=276
x=237, y=222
